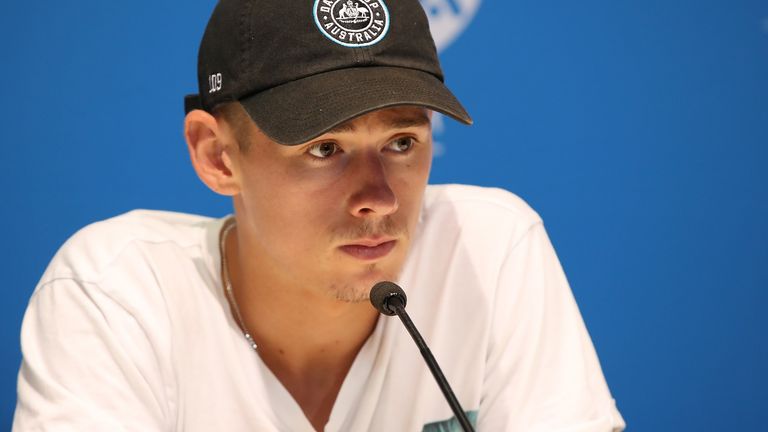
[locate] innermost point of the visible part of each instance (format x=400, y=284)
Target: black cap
x=299, y=68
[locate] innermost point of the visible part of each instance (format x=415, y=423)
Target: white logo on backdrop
x=447, y=20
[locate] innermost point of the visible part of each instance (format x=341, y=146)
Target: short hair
x=238, y=120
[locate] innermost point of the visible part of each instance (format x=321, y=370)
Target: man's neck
x=307, y=339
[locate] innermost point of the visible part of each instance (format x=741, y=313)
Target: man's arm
x=88, y=364
x=542, y=371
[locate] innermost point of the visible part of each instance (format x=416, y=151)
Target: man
x=317, y=124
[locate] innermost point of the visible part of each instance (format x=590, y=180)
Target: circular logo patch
x=352, y=23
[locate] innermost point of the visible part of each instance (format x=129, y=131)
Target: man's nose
x=372, y=193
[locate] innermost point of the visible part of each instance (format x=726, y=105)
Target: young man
x=316, y=120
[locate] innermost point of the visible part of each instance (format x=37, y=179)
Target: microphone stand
x=396, y=304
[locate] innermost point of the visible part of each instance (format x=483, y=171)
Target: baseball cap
x=300, y=68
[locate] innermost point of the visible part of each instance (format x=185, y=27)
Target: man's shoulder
x=485, y=204
x=95, y=247
x=484, y=222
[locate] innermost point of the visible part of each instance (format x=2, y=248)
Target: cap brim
x=298, y=111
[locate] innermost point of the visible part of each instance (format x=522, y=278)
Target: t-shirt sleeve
x=88, y=365
x=542, y=372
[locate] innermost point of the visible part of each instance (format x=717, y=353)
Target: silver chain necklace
x=228, y=284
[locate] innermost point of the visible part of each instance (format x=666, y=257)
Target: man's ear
x=207, y=150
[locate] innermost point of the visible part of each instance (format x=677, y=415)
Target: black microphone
x=389, y=299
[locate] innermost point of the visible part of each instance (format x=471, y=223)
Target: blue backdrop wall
x=638, y=130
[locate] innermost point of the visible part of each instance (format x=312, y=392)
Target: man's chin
x=357, y=289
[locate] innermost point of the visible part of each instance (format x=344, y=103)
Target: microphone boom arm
x=395, y=304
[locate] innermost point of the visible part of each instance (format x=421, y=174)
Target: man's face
x=337, y=214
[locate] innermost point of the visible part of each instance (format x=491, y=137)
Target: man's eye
x=323, y=150
x=401, y=145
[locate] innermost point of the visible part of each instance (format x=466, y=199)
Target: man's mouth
x=369, y=249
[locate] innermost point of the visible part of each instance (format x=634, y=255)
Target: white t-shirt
x=129, y=330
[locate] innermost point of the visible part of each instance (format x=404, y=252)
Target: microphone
x=389, y=299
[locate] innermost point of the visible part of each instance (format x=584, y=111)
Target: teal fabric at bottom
x=450, y=425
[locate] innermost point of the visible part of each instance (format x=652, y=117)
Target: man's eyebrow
x=391, y=123
x=344, y=127
x=406, y=122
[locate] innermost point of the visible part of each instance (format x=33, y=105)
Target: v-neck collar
x=290, y=413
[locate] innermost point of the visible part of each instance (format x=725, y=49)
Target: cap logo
x=352, y=23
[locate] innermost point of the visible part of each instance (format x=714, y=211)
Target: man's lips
x=369, y=249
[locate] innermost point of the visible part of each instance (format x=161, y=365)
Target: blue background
x=638, y=130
